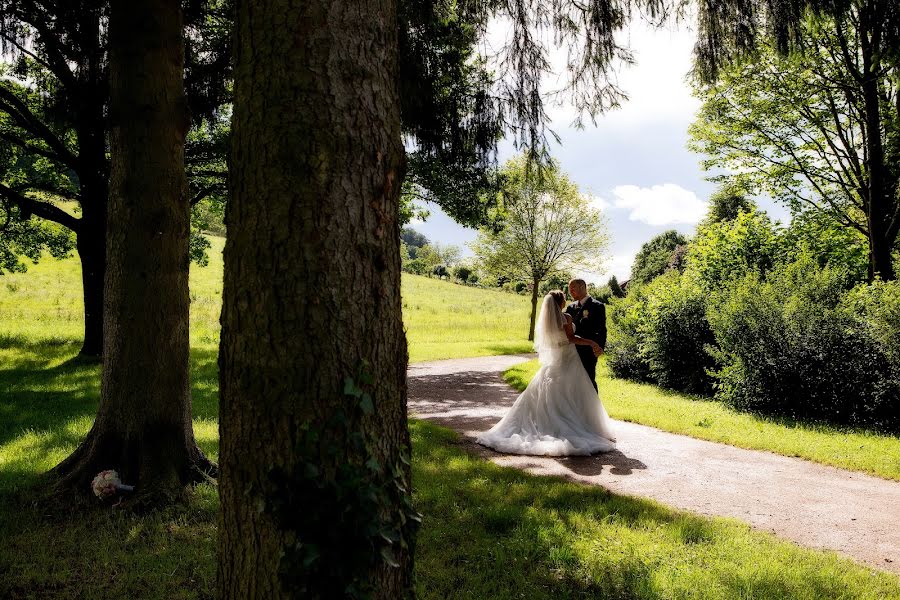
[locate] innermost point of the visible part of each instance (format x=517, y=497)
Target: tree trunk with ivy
x=143, y=427
x=314, y=446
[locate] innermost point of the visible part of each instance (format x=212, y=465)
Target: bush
x=520, y=287
x=794, y=346
x=623, y=353
x=416, y=266
x=473, y=278
x=877, y=307
x=674, y=334
x=462, y=273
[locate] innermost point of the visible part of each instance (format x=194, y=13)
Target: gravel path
x=810, y=504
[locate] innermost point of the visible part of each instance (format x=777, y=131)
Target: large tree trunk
x=534, y=301
x=881, y=201
x=90, y=127
x=314, y=442
x=91, y=241
x=143, y=426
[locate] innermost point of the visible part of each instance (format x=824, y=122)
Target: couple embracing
x=559, y=413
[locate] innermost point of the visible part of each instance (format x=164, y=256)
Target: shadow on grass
x=493, y=532
x=49, y=397
x=510, y=348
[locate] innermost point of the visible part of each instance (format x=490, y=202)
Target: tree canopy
x=549, y=227
x=653, y=258
x=802, y=129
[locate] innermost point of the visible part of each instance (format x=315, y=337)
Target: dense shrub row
x=759, y=321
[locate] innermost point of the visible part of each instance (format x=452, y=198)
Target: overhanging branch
x=40, y=209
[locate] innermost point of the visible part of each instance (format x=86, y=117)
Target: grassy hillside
x=43, y=307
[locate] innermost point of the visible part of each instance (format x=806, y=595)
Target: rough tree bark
x=143, y=427
x=313, y=354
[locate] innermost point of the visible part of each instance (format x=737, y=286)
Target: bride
x=559, y=413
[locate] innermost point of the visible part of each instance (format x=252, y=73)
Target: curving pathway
x=813, y=505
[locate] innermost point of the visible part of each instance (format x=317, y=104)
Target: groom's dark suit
x=589, y=320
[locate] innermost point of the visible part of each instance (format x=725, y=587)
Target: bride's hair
x=559, y=297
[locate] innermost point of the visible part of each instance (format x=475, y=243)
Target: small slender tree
x=548, y=227
x=614, y=288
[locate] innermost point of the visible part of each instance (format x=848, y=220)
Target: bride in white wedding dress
x=559, y=413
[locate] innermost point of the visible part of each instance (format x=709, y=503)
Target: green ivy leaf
x=368, y=407
x=389, y=556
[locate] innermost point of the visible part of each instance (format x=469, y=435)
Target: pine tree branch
x=27, y=120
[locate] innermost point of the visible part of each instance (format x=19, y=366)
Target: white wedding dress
x=559, y=413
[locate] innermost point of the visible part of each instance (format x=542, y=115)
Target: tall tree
x=798, y=127
x=316, y=175
x=54, y=99
x=833, y=109
x=143, y=426
x=549, y=227
x=315, y=482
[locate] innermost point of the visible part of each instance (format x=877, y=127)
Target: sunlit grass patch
x=495, y=532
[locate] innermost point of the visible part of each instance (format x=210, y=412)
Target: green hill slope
x=44, y=307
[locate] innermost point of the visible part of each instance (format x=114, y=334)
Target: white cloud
x=618, y=265
x=665, y=204
x=597, y=202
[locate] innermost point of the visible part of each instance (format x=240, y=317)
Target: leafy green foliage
x=659, y=333
x=722, y=251
x=623, y=348
x=791, y=346
x=673, y=334
x=816, y=234
x=808, y=129
x=29, y=238
x=653, y=258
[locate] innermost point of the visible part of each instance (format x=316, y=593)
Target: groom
x=589, y=318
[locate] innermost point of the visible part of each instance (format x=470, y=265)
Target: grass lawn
x=488, y=532
x=495, y=532
x=858, y=450
x=43, y=307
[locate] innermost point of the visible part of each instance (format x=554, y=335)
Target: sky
x=634, y=163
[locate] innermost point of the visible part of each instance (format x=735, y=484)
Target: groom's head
x=577, y=289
